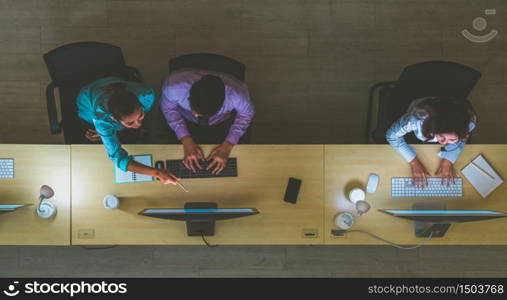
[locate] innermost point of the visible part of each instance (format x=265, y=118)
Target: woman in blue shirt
x=110, y=105
x=442, y=120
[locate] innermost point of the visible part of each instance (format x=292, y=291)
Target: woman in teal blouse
x=112, y=104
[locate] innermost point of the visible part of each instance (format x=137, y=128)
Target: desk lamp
x=46, y=209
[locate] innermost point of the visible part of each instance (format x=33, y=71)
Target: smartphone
x=292, y=191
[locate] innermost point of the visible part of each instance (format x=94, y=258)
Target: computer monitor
x=431, y=218
x=199, y=216
x=6, y=208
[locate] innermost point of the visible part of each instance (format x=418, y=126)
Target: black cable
x=205, y=241
x=98, y=248
x=343, y=232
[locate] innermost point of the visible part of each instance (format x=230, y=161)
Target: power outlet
x=310, y=233
x=86, y=234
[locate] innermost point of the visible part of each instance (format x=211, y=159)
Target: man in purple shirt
x=205, y=106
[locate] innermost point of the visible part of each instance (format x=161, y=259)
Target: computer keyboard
x=178, y=168
x=6, y=168
x=403, y=187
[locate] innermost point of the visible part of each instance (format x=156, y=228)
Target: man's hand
x=219, y=155
x=446, y=171
x=419, y=173
x=92, y=135
x=193, y=153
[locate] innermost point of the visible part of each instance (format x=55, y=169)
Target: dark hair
x=207, y=95
x=447, y=115
x=122, y=102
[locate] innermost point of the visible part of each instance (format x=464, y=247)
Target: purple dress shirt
x=176, y=107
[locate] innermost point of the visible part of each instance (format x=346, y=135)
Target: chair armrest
x=371, y=100
x=54, y=125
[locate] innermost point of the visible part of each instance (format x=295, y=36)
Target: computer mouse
x=371, y=187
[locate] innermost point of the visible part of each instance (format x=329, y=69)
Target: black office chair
x=73, y=66
x=216, y=63
x=432, y=78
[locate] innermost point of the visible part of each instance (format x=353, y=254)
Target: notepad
x=131, y=177
x=482, y=176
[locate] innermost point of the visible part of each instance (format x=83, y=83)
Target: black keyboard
x=178, y=168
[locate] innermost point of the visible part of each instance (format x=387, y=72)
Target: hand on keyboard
x=219, y=157
x=446, y=171
x=192, y=154
x=419, y=173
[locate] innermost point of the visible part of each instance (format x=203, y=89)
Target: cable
x=205, y=241
x=343, y=232
x=98, y=248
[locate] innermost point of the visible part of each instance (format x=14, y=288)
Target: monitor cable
x=206, y=242
x=343, y=232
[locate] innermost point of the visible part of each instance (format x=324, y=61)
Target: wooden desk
x=36, y=165
x=263, y=174
x=348, y=166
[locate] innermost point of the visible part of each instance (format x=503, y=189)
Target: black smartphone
x=292, y=191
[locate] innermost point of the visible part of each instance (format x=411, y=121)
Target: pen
x=482, y=171
x=182, y=186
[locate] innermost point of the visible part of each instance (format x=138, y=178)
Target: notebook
x=482, y=176
x=130, y=177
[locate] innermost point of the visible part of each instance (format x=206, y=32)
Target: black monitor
x=199, y=216
x=430, y=218
x=5, y=208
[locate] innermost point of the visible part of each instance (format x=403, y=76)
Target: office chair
x=73, y=66
x=432, y=78
x=216, y=63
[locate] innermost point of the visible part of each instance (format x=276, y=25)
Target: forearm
x=134, y=166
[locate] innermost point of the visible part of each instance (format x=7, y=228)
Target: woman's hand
x=166, y=177
x=92, y=135
x=219, y=155
x=446, y=171
x=419, y=173
x=192, y=154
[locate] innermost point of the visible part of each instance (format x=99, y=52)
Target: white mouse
x=371, y=187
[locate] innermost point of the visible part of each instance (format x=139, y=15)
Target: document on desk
x=482, y=176
x=130, y=177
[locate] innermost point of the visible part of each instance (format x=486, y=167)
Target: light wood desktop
x=36, y=165
x=263, y=172
x=348, y=166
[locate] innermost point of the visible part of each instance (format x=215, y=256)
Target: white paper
x=480, y=181
x=129, y=177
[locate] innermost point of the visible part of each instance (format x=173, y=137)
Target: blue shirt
x=92, y=105
x=413, y=121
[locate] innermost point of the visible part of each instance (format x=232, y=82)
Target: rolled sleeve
x=115, y=152
x=395, y=137
x=245, y=113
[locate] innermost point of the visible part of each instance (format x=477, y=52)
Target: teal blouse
x=92, y=105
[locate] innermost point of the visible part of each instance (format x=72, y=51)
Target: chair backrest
x=71, y=67
x=432, y=78
x=211, y=62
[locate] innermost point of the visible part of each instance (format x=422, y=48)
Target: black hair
x=447, y=115
x=122, y=102
x=207, y=95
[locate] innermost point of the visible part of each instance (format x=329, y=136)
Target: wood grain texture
x=348, y=166
x=36, y=165
x=263, y=175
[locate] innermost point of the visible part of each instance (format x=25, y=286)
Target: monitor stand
x=204, y=226
x=423, y=229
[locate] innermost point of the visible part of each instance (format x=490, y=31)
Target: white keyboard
x=403, y=187
x=6, y=168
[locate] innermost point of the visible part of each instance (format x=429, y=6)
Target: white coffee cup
x=344, y=220
x=111, y=202
x=356, y=194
